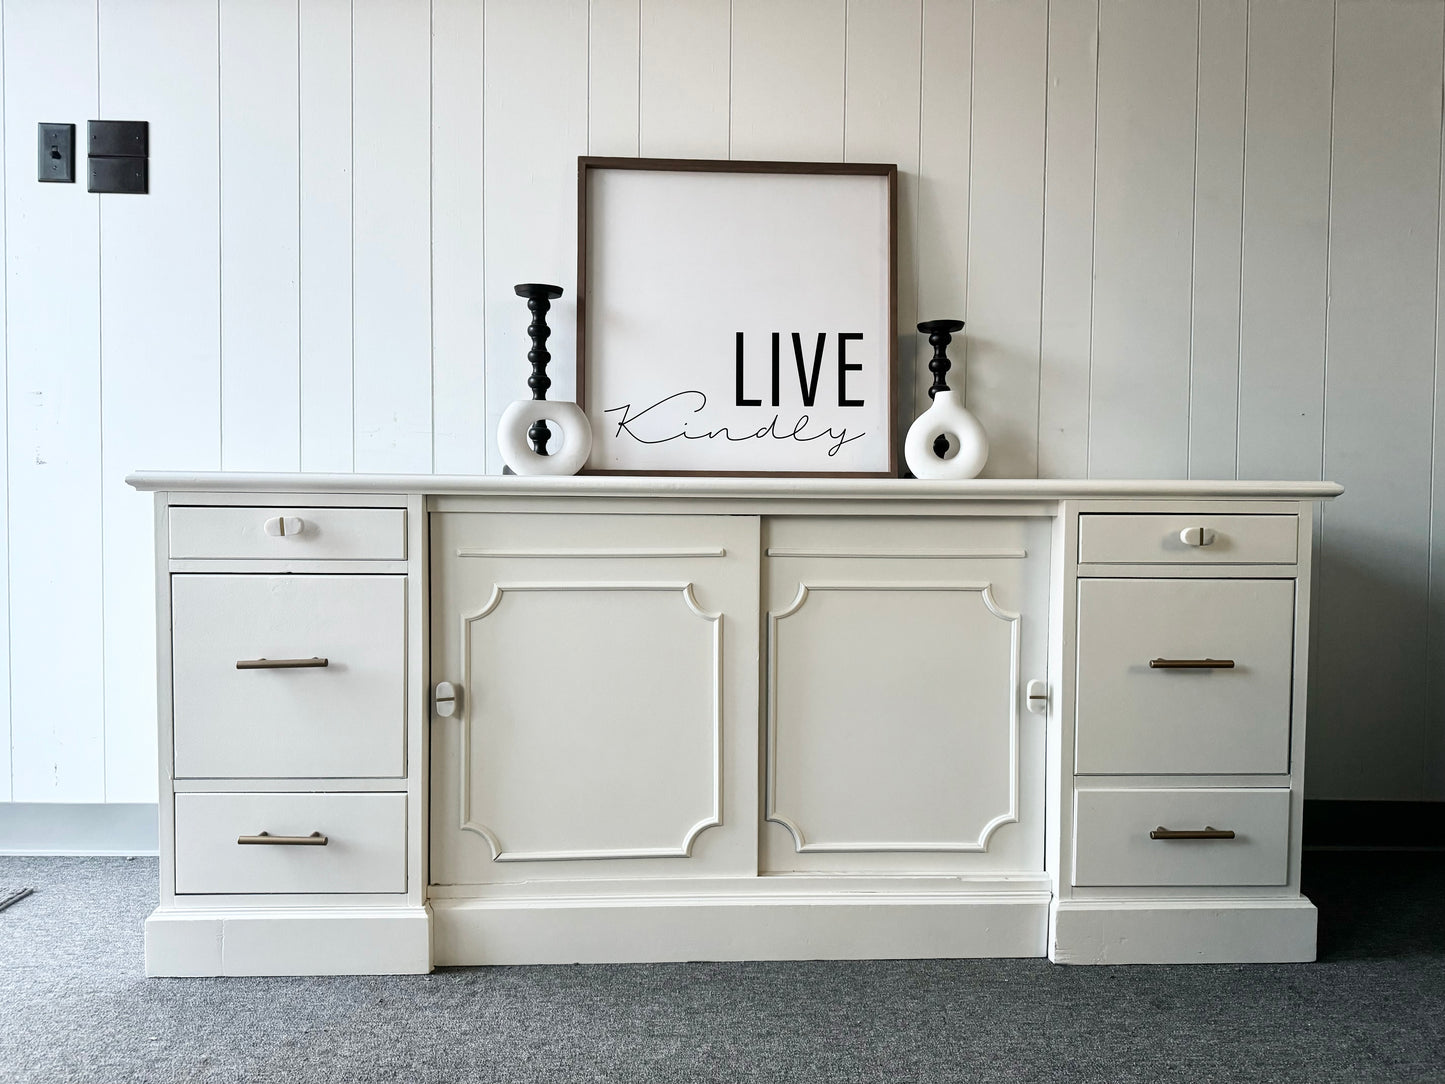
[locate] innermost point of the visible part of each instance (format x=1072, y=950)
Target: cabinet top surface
x=791, y=489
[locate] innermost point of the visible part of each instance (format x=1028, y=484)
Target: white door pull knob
x=447, y=699
x=1197, y=536
x=1037, y=693
x=285, y=526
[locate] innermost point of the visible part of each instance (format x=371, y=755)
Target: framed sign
x=737, y=318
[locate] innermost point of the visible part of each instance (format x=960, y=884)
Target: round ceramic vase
x=565, y=417
x=947, y=417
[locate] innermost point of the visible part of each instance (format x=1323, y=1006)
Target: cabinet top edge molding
x=777, y=488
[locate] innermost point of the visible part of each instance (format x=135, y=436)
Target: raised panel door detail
x=893, y=722
x=607, y=672
x=345, y=719
x=565, y=765
x=1140, y=712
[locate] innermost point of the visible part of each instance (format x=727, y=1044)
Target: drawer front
x=1189, y=539
x=1134, y=718
x=292, y=534
x=1113, y=846
x=344, y=719
x=365, y=848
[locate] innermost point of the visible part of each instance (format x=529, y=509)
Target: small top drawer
x=331, y=534
x=1188, y=538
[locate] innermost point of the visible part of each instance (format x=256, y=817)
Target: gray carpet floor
x=74, y=1006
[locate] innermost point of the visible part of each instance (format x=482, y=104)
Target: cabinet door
x=897, y=654
x=608, y=717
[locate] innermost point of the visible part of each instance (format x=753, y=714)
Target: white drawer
x=364, y=849
x=344, y=719
x=1114, y=848
x=1213, y=540
x=331, y=534
x=1139, y=714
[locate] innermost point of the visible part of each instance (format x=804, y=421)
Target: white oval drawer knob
x=1197, y=536
x=285, y=526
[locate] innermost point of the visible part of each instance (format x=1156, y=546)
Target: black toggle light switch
x=56, y=163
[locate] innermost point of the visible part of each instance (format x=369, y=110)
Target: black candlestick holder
x=940, y=333
x=539, y=297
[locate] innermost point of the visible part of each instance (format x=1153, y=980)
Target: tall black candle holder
x=940, y=333
x=539, y=297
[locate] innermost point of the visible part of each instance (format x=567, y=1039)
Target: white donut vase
x=562, y=416
x=947, y=417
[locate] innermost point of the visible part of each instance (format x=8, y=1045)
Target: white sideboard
x=415, y=721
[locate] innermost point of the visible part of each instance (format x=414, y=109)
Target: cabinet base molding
x=315, y=941
x=677, y=929
x=1186, y=931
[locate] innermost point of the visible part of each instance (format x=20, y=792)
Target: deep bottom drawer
x=364, y=849
x=1113, y=845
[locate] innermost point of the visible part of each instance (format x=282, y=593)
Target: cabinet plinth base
x=287, y=941
x=1192, y=931
x=803, y=927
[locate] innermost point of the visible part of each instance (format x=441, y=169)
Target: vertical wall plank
x=1143, y=229
x=1286, y=215
x=53, y=303
x=325, y=255
x=882, y=119
x=787, y=79
x=683, y=91
x=1435, y=673
x=1218, y=234
x=612, y=76
x=945, y=132
x=260, y=237
x=160, y=377
x=534, y=131
x=459, y=379
x=391, y=223
x=1369, y=714
x=1006, y=230
x=1068, y=289
x=4, y=470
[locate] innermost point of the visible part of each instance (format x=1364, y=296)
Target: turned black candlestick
x=539, y=297
x=940, y=334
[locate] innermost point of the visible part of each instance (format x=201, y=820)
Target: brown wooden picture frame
x=587, y=165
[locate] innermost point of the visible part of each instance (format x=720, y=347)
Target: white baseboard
x=325, y=941
x=78, y=828
x=675, y=929
x=1195, y=931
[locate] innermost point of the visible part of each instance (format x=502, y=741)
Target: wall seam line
x=5, y=301
x=1243, y=218
x=1093, y=246
x=1193, y=244
x=100, y=435
x=1043, y=245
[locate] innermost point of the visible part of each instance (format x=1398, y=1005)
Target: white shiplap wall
x=1190, y=237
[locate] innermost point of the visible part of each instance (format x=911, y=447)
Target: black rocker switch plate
x=125, y=175
x=119, y=139
x=56, y=163
x=119, y=161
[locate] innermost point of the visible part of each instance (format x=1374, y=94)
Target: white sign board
x=737, y=318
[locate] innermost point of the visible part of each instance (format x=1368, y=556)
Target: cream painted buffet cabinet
x=408, y=721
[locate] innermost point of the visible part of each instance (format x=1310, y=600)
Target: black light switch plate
x=56, y=162
x=120, y=138
x=128, y=175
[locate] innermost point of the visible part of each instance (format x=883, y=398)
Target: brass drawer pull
x=1208, y=833
x=315, y=839
x=1191, y=664
x=281, y=664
